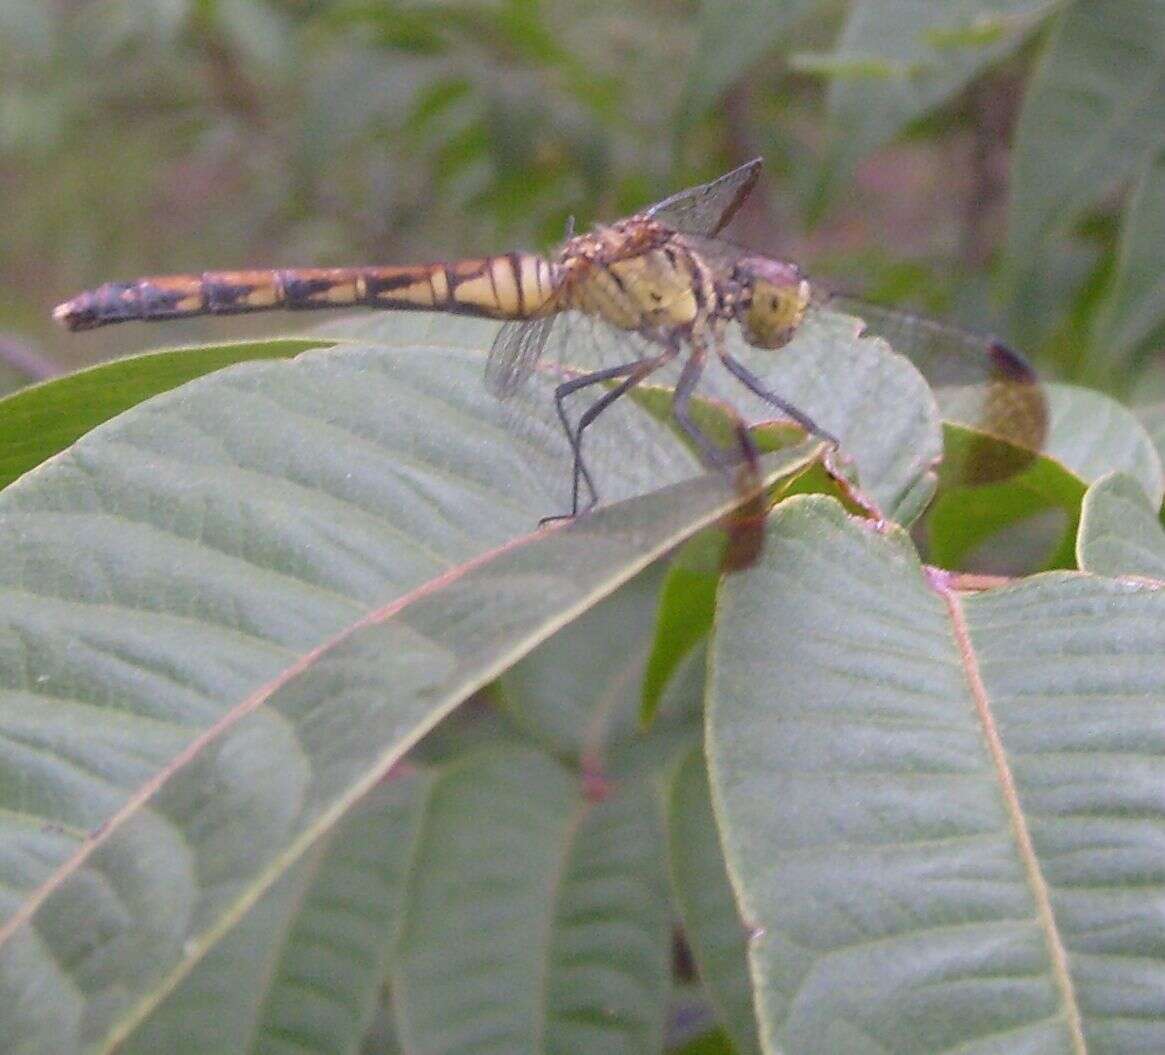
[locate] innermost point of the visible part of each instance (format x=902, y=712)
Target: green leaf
x=537, y=918
x=711, y=923
x=941, y=812
x=572, y=694
x=732, y=37
x=878, y=405
x=217, y=1005
x=982, y=528
x=1092, y=112
x=896, y=60
x=1120, y=533
x=1152, y=417
x=1131, y=322
x=42, y=420
x=302, y=970
x=578, y=694
x=1089, y=436
x=325, y=986
x=228, y=612
x=687, y=604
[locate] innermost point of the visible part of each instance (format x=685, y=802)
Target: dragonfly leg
x=632, y=373
x=711, y=453
x=754, y=384
x=744, y=527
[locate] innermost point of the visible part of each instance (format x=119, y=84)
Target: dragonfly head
x=772, y=302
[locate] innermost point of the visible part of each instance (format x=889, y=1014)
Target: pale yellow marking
x=419, y=293
x=266, y=296
x=361, y=289
x=194, y=302
x=506, y=292
x=476, y=291
x=533, y=281
x=440, y=285
x=340, y=293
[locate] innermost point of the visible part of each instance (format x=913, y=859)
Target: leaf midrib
x=1009, y=791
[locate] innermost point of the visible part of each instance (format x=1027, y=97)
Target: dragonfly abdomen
x=508, y=286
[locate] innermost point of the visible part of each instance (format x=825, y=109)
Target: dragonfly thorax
x=638, y=276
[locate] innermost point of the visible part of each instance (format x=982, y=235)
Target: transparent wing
x=514, y=353
x=706, y=209
x=628, y=448
x=979, y=381
x=719, y=253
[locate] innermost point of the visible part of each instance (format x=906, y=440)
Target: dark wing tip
x=706, y=209
x=747, y=174
x=1009, y=365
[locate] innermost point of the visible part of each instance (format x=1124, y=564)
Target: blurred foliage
x=996, y=162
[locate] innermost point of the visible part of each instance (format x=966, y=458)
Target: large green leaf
x=897, y=59
x=303, y=968
x=1093, y=111
x=1120, y=532
x=942, y=813
x=42, y=420
x=324, y=988
x=1131, y=323
x=713, y=927
x=211, y=650
x=217, y=1006
x=578, y=694
x=537, y=918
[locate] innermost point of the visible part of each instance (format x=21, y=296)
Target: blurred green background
x=1001, y=164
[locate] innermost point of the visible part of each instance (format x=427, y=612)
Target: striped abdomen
x=511, y=286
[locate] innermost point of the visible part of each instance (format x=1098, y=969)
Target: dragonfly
x=664, y=278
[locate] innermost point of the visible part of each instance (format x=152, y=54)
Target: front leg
x=757, y=387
